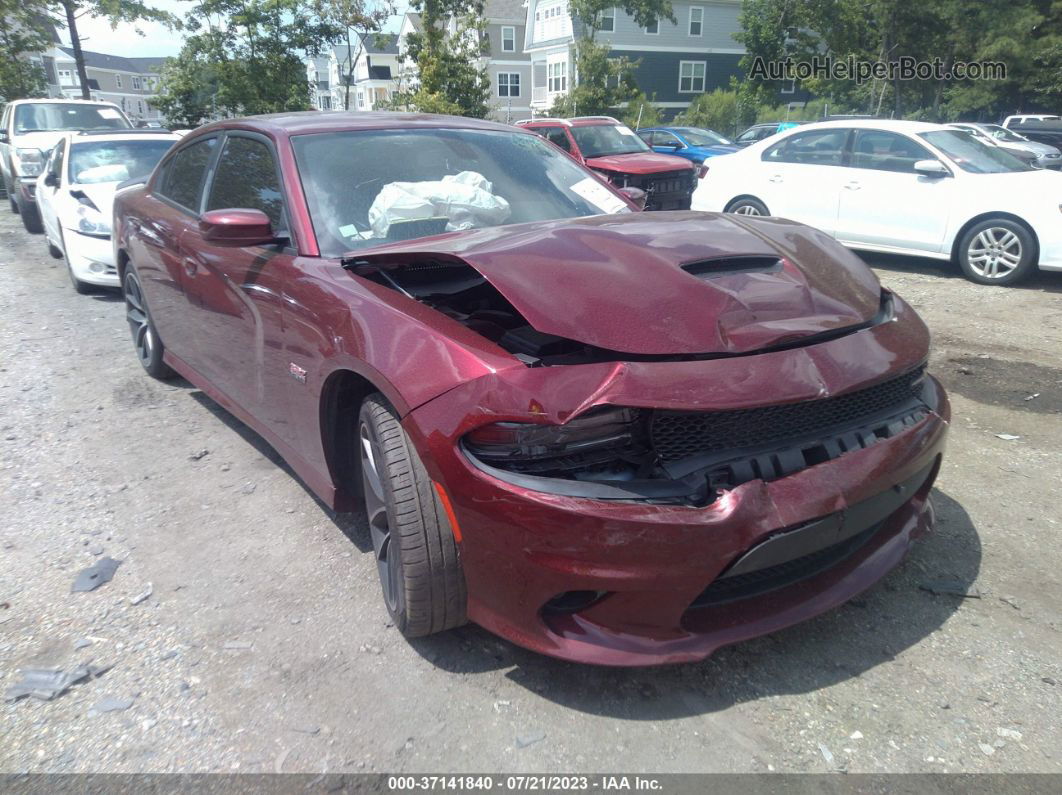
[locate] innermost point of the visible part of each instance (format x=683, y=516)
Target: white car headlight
x=28, y=162
x=90, y=221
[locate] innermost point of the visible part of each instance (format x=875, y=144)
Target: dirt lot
x=264, y=645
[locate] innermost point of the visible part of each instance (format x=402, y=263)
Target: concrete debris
x=142, y=596
x=46, y=684
x=99, y=573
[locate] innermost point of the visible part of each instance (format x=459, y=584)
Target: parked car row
x=902, y=187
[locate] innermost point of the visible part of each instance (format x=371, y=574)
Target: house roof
x=380, y=43
x=99, y=60
x=505, y=9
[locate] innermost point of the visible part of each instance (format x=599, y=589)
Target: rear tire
x=149, y=348
x=416, y=553
x=997, y=251
x=31, y=219
x=747, y=206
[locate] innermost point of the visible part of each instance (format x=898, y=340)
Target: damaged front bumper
x=628, y=579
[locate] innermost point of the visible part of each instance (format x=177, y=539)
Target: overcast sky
x=96, y=34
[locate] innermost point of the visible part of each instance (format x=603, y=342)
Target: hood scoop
x=658, y=283
x=706, y=269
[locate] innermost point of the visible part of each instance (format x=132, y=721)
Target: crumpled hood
x=617, y=281
x=639, y=163
x=101, y=193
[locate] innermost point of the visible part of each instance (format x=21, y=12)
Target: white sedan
x=75, y=194
x=901, y=187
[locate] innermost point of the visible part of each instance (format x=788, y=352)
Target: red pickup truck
x=617, y=153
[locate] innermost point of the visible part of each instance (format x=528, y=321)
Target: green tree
x=450, y=77
x=600, y=83
x=641, y=112
x=67, y=12
x=717, y=111
x=23, y=33
x=244, y=57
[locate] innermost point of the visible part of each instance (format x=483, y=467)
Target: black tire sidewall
x=156, y=368
x=1028, y=256
x=732, y=207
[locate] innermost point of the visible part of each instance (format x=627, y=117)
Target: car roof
x=118, y=135
x=891, y=125
x=306, y=122
x=575, y=121
x=58, y=101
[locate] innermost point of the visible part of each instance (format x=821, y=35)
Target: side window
x=246, y=178
x=813, y=148
x=666, y=139
x=647, y=136
x=185, y=172
x=58, y=158
x=887, y=151
x=749, y=136
x=555, y=135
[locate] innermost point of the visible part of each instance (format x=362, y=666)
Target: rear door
x=240, y=291
x=167, y=212
x=800, y=176
x=884, y=202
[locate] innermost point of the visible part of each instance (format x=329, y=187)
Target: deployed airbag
x=464, y=199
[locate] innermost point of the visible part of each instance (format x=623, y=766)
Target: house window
x=607, y=20
x=696, y=20
x=118, y=80
x=653, y=27
x=140, y=107
x=361, y=101
x=789, y=88
x=326, y=103
x=508, y=84
x=691, y=77
x=557, y=77
x=508, y=39
x=65, y=77
x=136, y=84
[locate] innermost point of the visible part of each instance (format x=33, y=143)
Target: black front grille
x=669, y=183
x=676, y=435
x=755, y=583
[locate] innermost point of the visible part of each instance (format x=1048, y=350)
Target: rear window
x=47, y=116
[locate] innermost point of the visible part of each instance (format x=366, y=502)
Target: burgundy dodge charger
x=609, y=436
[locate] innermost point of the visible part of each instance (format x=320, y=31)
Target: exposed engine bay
x=461, y=293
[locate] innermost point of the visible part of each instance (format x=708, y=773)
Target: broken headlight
x=599, y=434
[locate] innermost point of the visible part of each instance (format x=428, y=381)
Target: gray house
x=676, y=62
x=127, y=82
x=508, y=65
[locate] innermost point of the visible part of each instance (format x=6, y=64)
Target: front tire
x=149, y=348
x=416, y=553
x=31, y=218
x=747, y=206
x=997, y=251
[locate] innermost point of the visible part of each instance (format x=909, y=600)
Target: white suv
x=29, y=128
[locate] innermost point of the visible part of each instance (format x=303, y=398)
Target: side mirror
x=636, y=195
x=931, y=168
x=236, y=228
x=51, y=179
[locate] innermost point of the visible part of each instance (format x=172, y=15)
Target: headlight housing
x=90, y=221
x=28, y=162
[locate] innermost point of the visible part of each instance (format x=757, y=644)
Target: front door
x=884, y=202
x=239, y=291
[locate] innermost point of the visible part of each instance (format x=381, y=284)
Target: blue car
x=692, y=143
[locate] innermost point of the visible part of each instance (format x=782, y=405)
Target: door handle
x=190, y=266
x=774, y=178
x=852, y=186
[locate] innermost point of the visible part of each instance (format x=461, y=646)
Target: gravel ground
x=264, y=645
